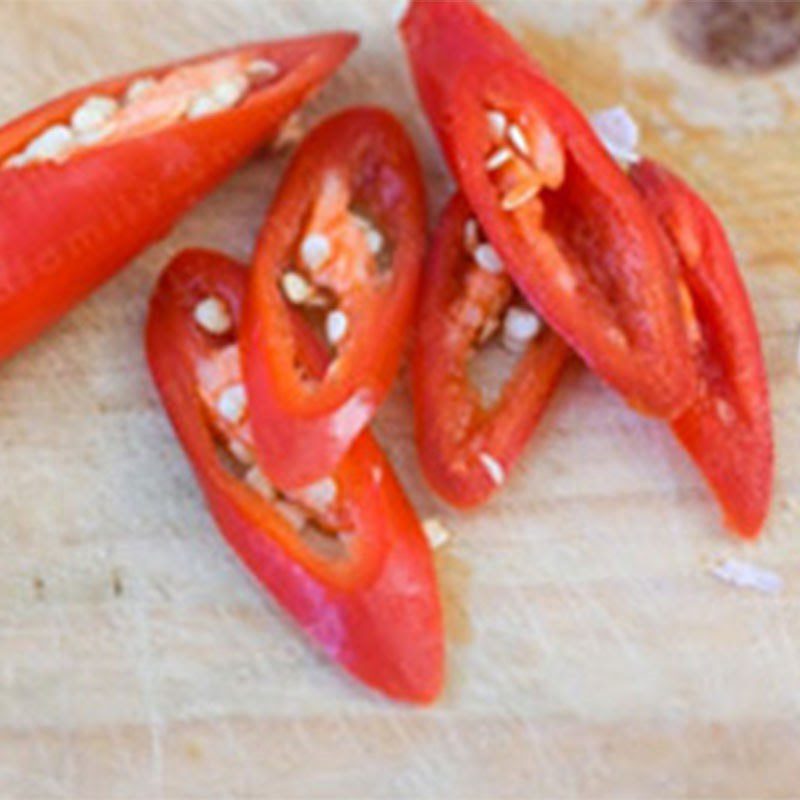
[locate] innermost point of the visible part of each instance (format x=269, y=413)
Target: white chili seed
x=618, y=132
x=494, y=468
x=522, y=323
x=241, y=452
x=499, y=159
x=319, y=495
x=436, y=533
x=498, y=124
x=488, y=330
x=472, y=235
x=519, y=196
x=336, y=324
x=487, y=259
x=16, y=161
x=50, y=144
x=520, y=327
x=315, y=250
x=296, y=288
x=293, y=514
x=203, y=105
x=725, y=411
x=262, y=68
x=290, y=134
x=229, y=92
x=518, y=139
x=256, y=479
x=212, y=316
x=93, y=114
x=374, y=241
x=88, y=138
x=138, y=88
x=373, y=236
x=232, y=403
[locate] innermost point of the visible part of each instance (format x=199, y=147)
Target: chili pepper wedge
x=343, y=243
x=570, y=229
x=89, y=180
x=728, y=428
x=372, y=604
x=465, y=447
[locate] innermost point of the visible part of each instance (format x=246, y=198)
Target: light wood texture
x=591, y=654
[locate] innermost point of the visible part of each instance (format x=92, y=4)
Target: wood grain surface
x=591, y=653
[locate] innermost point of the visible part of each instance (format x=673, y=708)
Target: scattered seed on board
x=436, y=532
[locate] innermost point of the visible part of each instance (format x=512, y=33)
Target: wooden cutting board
x=591, y=652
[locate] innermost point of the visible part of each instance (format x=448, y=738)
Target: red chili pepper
x=366, y=591
x=69, y=225
x=344, y=241
x=571, y=230
x=728, y=428
x=465, y=447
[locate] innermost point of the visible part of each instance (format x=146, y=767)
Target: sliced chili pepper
x=363, y=586
x=89, y=180
x=571, y=230
x=728, y=428
x=344, y=243
x=465, y=447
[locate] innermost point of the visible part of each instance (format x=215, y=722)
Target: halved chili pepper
x=571, y=230
x=466, y=446
x=89, y=180
x=348, y=561
x=728, y=428
x=343, y=242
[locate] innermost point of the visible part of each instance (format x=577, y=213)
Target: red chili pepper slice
x=571, y=230
x=372, y=601
x=69, y=223
x=343, y=242
x=728, y=428
x=465, y=447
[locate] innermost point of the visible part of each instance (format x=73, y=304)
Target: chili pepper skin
x=375, y=610
x=68, y=227
x=582, y=248
x=453, y=428
x=727, y=430
x=359, y=159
